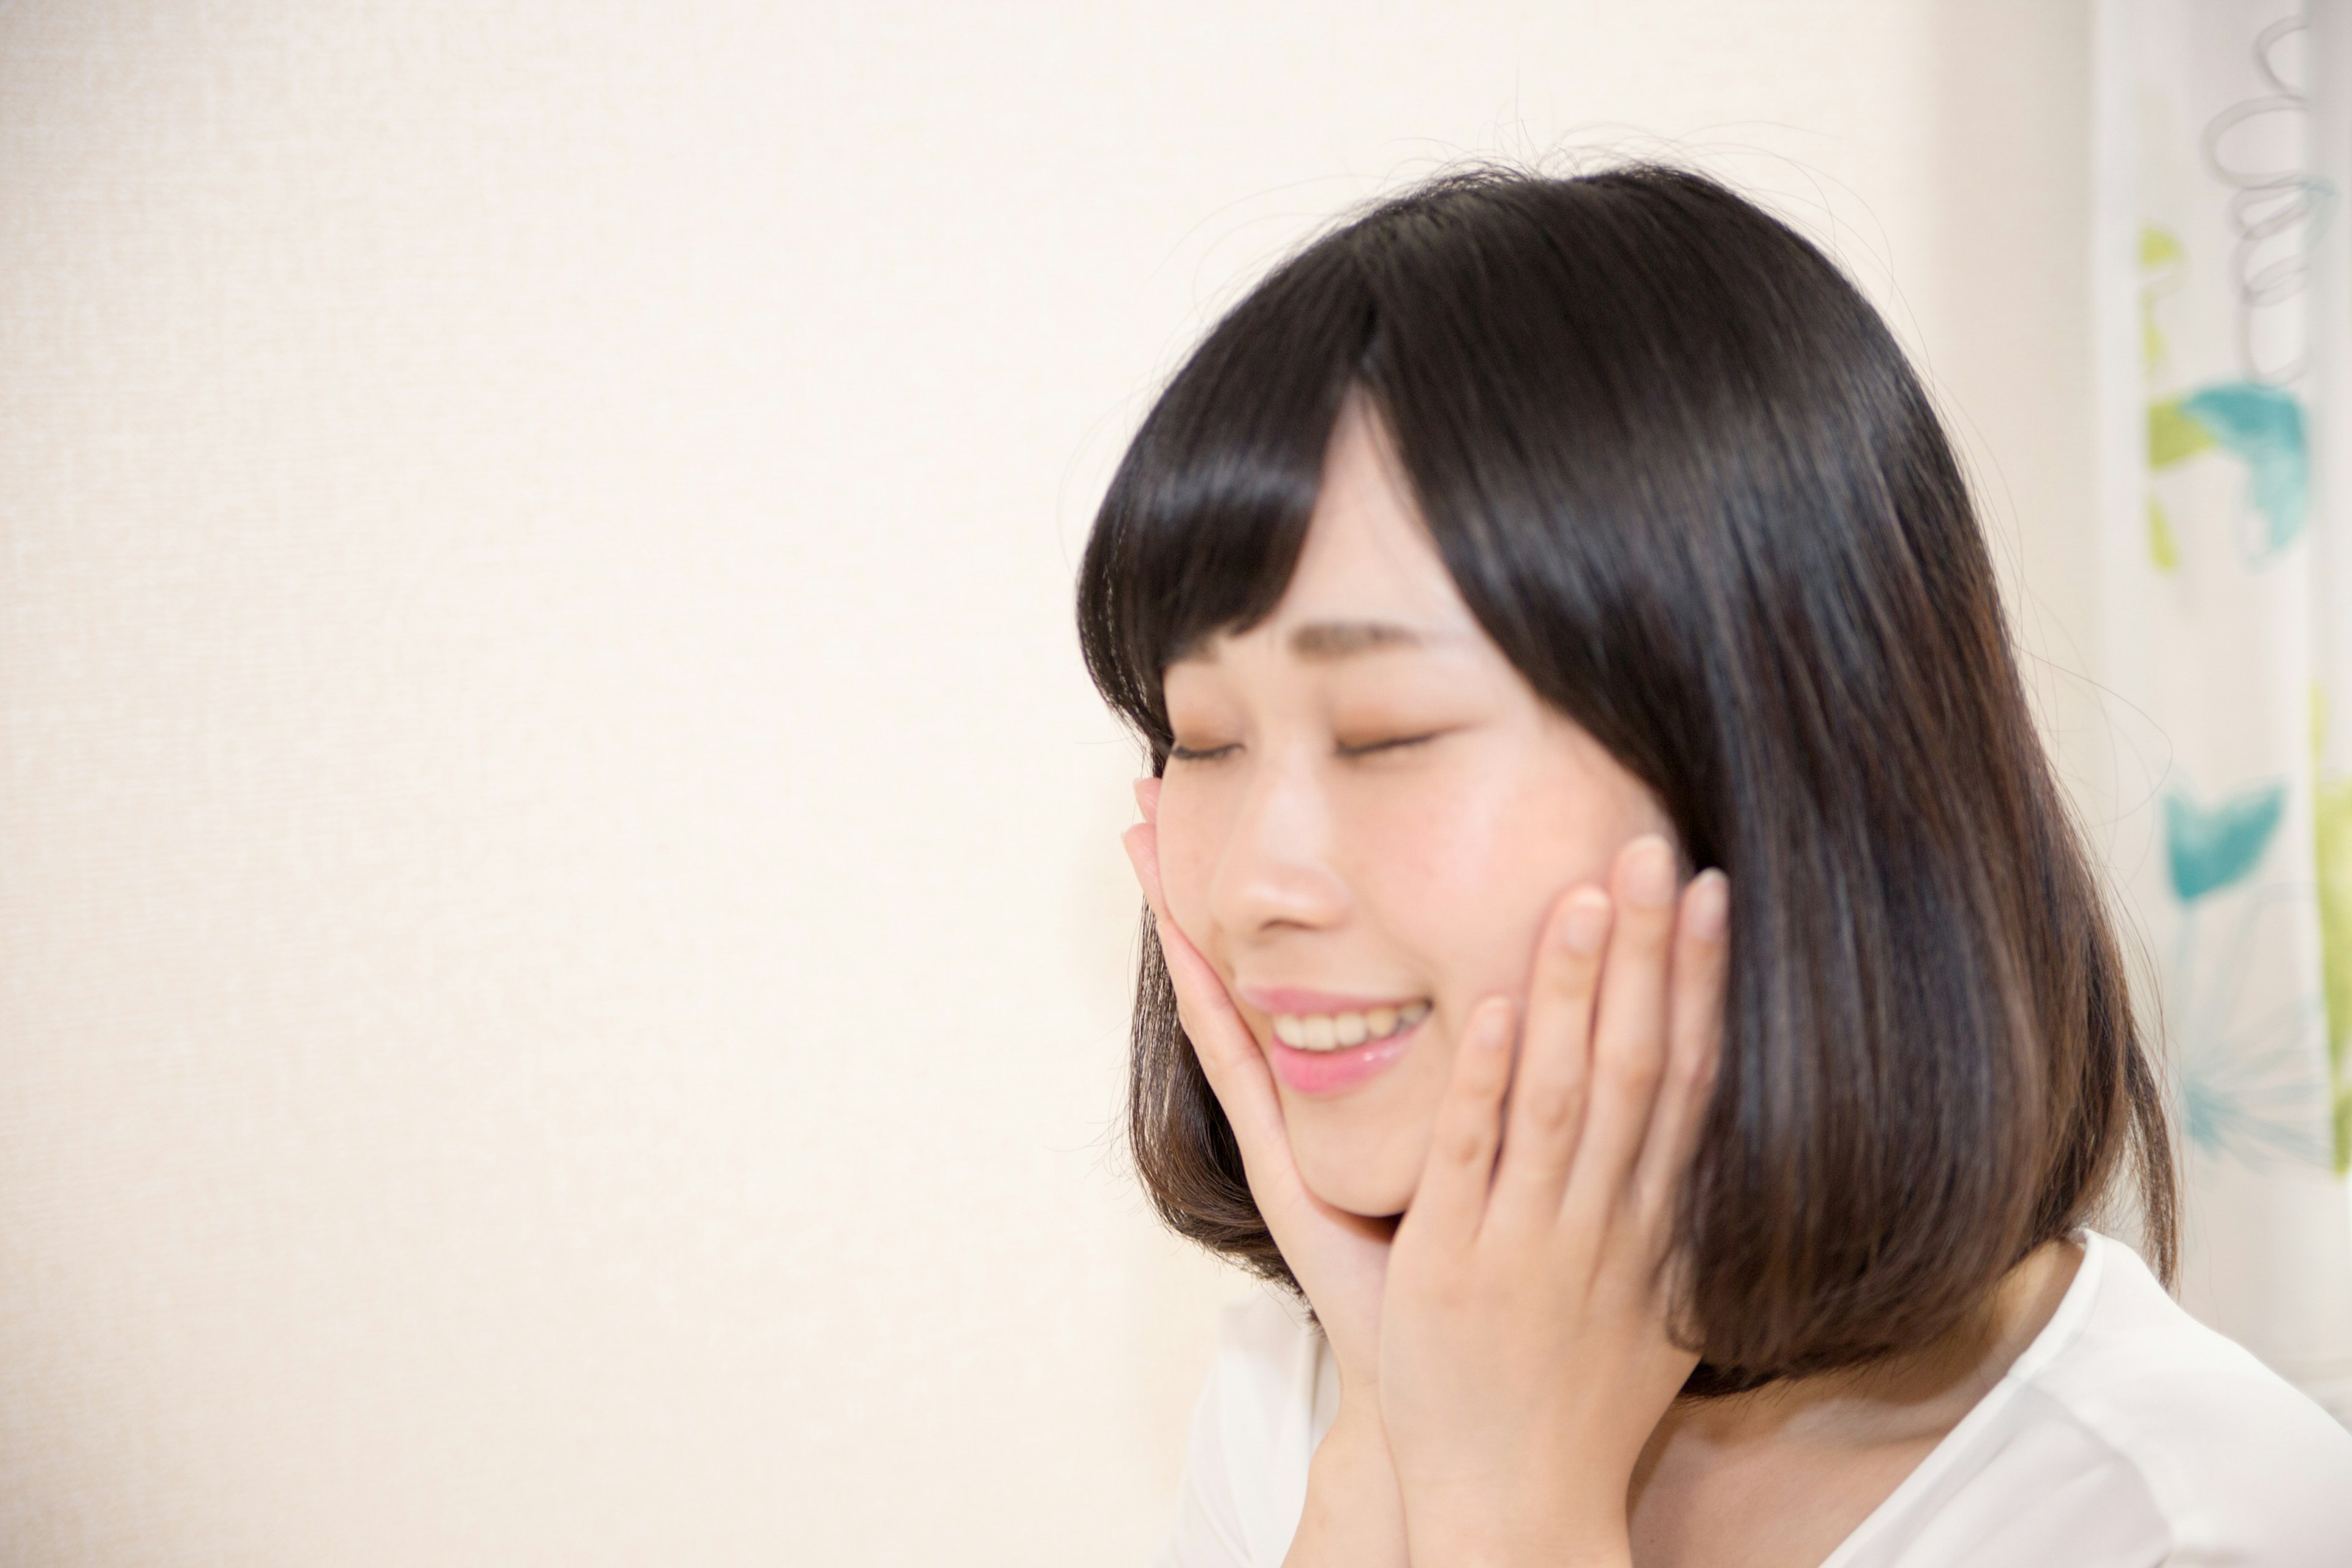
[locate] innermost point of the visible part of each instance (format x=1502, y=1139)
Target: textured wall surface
x=562, y=951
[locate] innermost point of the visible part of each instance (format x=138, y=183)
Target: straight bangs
x=1517, y=370
x=1202, y=524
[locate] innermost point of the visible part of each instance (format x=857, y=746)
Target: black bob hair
x=1684, y=477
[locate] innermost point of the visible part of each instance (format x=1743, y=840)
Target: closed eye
x=1179, y=752
x=1399, y=744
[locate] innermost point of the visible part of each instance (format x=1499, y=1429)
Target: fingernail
x=1586, y=921
x=1491, y=1029
x=1650, y=874
x=1710, y=904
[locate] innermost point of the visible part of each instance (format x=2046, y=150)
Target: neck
x=1918, y=1396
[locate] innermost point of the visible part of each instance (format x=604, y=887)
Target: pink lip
x=1335, y=1072
x=1332, y=1072
x=1306, y=1004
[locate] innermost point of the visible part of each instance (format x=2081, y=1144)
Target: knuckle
x=1659, y=920
x=1550, y=1108
x=1571, y=973
x=1632, y=1067
x=1693, y=1069
x=1488, y=1071
x=1465, y=1145
x=1646, y=931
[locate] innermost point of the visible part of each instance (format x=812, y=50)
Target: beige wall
x=563, y=952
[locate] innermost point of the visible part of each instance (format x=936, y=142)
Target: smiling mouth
x=1338, y=1031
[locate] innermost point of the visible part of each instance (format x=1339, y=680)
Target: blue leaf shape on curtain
x=2211, y=849
x=2263, y=426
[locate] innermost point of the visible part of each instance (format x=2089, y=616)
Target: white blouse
x=2127, y=1435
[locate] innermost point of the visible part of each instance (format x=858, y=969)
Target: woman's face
x=1367, y=814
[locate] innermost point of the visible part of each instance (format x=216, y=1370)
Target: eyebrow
x=1324, y=641
x=1321, y=642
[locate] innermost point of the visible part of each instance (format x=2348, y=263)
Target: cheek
x=1467, y=872
x=1189, y=835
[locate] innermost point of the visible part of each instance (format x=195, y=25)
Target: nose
x=1275, y=871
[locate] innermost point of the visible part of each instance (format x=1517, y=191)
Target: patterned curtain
x=2223, y=290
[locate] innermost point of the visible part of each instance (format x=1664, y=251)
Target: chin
x=1363, y=1176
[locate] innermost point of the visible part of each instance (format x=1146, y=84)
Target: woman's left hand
x=1524, y=1354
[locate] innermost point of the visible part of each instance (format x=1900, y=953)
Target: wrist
x=1437, y=1549
x=1536, y=1554
x=1353, y=1516
x=1485, y=1531
x=1356, y=1445
x=1359, y=1413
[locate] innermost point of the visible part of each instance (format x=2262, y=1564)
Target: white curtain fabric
x=2223, y=283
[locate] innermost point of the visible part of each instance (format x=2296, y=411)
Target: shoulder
x=1270, y=1366
x=2239, y=1465
x=2128, y=1435
x=1265, y=1333
x=1253, y=1436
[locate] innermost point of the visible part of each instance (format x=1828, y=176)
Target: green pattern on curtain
x=2331, y=830
x=2224, y=293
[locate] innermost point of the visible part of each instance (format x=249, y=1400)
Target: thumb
x=1221, y=1038
x=1141, y=843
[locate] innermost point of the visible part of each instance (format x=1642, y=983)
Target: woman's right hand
x=1354, y=1513
x=1341, y=1259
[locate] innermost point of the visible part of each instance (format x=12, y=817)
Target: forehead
x=1368, y=577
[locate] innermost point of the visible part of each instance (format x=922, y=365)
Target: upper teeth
x=1330, y=1031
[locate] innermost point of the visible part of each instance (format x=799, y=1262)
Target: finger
x=1695, y=1044
x=1546, y=1111
x=1228, y=1051
x=1451, y=1198
x=1629, y=1044
x=1141, y=843
x=1218, y=1034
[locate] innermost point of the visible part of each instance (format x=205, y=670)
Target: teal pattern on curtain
x=2223, y=283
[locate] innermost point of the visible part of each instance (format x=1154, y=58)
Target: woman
x=1617, y=951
